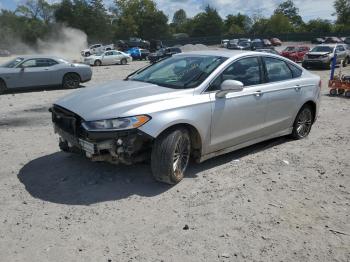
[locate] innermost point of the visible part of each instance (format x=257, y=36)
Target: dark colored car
x=347, y=40
x=240, y=45
x=162, y=53
x=257, y=44
x=275, y=41
x=318, y=40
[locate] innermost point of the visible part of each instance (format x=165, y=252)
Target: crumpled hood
x=115, y=99
x=319, y=53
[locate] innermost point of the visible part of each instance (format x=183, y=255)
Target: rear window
x=277, y=70
x=296, y=71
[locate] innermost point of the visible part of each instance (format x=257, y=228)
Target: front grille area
x=313, y=56
x=66, y=120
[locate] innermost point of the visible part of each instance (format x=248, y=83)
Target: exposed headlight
x=116, y=124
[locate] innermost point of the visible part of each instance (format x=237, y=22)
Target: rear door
x=341, y=53
x=239, y=117
x=282, y=93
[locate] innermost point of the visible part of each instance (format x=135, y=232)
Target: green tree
x=319, y=26
x=180, y=17
x=208, y=23
x=278, y=23
x=140, y=18
x=289, y=9
x=237, y=24
x=342, y=11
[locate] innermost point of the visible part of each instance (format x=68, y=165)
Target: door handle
x=297, y=87
x=258, y=93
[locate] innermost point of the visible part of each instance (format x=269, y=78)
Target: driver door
x=239, y=117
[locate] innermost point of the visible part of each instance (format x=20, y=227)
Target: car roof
x=223, y=53
x=38, y=56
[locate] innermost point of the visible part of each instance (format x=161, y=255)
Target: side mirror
x=229, y=86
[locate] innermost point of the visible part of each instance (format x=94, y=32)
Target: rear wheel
x=347, y=94
x=123, y=61
x=2, y=86
x=71, y=80
x=98, y=63
x=170, y=156
x=333, y=92
x=303, y=123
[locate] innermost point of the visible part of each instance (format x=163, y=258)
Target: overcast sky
x=309, y=9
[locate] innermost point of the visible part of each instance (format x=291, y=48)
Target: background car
x=332, y=40
x=162, y=53
x=38, y=70
x=295, y=53
x=4, y=52
x=267, y=42
x=318, y=40
x=276, y=42
x=138, y=53
x=111, y=57
x=96, y=49
x=224, y=43
x=322, y=55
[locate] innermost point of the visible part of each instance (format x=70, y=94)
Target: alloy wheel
x=181, y=156
x=304, y=123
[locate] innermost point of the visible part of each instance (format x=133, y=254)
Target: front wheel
x=98, y=63
x=71, y=80
x=123, y=61
x=303, y=123
x=170, y=156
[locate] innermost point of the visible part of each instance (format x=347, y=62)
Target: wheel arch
x=3, y=80
x=313, y=106
x=196, y=140
x=71, y=72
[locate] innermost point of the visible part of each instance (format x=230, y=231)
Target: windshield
x=322, y=49
x=14, y=62
x=183, y=71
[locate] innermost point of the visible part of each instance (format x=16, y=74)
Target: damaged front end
x=121, y=146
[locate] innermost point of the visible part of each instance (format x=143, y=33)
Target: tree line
x=141, y=18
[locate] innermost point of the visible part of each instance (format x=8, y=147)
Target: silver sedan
x=39, y=70
x=110, y=57
x=193, y=105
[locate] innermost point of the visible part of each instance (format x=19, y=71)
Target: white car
x=111, y=57
x=96, y=49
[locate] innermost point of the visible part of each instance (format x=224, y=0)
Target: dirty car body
x=196, y=104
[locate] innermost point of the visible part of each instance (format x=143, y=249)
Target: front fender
x=198, y=116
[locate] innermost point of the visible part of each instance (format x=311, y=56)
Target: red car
x=295, y=53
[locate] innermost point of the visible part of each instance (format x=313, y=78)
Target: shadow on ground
x=73, y=180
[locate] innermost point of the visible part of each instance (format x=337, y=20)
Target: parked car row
x=248, y=44
x=331, y=40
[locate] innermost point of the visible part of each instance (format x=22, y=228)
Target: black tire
x=170, y=156
x=341, y=91
x=2, y=86
x=347, y=94
x=71, y=81
x=333, y=92
x=303, y=122
x=98, y=63
x=123, y=61
x=87, y=54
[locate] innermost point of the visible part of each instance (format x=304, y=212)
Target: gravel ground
x=281, y=200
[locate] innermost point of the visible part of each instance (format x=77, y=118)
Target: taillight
x=320, y=84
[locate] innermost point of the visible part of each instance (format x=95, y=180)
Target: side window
x=29, y=63
x=277, y=70
x=295, y=70
x=340, y=48
x=245, y=70
x=45, y=62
